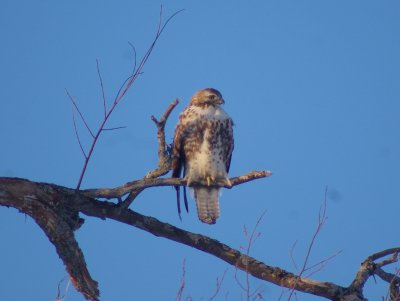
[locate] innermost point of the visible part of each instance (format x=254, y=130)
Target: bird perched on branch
x=202, y=149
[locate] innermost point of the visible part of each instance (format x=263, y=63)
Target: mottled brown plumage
x=202, y=149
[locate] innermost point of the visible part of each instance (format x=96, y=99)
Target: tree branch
x=55, y=209
x=47, y=205
x=110, y=193
x=369, y=268
x=70, y=201
x=164, y=156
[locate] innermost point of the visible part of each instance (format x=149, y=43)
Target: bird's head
x=206, y=97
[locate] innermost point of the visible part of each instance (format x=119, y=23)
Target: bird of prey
x=202, y=151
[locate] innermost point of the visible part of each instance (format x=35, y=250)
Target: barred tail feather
x=207, y=204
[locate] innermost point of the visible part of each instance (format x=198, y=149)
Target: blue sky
x=312, y=86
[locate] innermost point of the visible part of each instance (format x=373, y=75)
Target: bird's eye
x=212, y=96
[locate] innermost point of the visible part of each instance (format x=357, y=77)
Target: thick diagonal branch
x=206, y=244
x=49, y=206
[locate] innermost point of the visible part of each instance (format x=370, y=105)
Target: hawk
x=202, y=150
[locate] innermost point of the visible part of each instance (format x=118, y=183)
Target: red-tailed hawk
x=203, y=145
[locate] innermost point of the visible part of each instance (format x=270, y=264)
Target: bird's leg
x=189, y=181
x=210, y=179
x=228, y=182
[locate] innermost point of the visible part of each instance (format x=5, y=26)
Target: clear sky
x=312, y=86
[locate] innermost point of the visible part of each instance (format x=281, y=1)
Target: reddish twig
x=75, y=128
x=134, y=56
x=121, y=93
x=142, y=63
x=75, y=106
x=59, y=297
x=321, y=220
x=114, y=128
x=182, y=285
x=291, y=252
x=218, y=286
x=321, y=264
x=103, y=96
x=251, y=239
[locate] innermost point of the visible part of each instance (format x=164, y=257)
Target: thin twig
x=218, y=286
x=321, y=221
x=134, y=57
x=291, y=252
x=102, y=87
x=80, y=114
x=321, y=264
x=139, y=69
x=182, y=284
x=124, y=84
x=114, y=128
x=58, y=297
x=251, y=239
x=75, y=128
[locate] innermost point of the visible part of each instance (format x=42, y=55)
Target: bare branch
x=80, y=114
x=59, y=297
x=369, y=267
x=115, y=128
x=218, y=286
x=388, y=277
x=46, y=205
x=56, y=210
x=394, y=283
x=321, y=221
x=134, y=57
x=120, y=95
x=393, y=251
x=75, y=128
x=164, y=157
x=182, y=284
x=203, y=243
x=142, y=63
x=394, y=258
x=102, y=88
x=291, y=252
x=251, y=239
x=110, y=193
x=321, y=264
